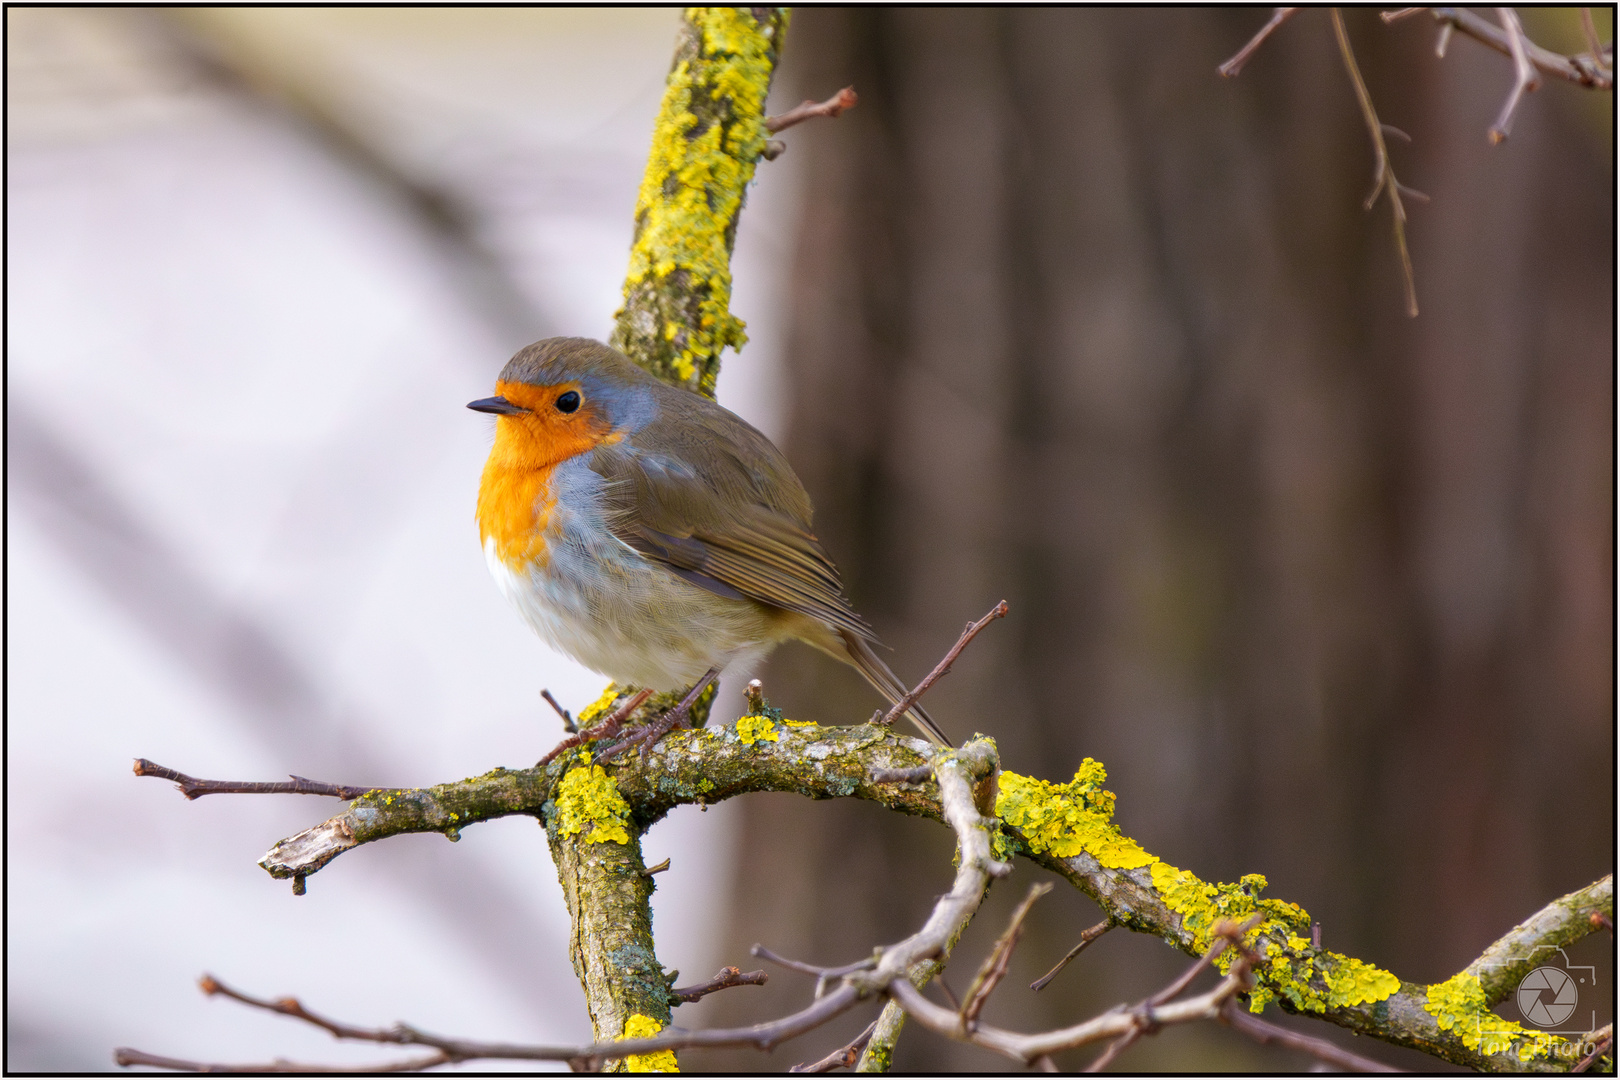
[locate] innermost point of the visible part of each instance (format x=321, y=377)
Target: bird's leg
x=650, y=732
x=604, y=730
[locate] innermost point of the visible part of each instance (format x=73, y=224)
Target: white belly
x=625, y=616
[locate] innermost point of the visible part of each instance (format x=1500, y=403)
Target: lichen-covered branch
x=708, y=138
x=1067, y=828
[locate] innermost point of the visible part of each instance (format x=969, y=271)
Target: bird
x=653, y=535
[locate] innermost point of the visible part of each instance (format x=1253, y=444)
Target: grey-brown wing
x=725, y=512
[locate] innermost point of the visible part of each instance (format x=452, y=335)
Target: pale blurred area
x=259, y=261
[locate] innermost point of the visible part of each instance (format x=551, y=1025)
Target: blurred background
x=1055, y=315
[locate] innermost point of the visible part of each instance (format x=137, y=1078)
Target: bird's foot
x=648, y=734
x=605, y=730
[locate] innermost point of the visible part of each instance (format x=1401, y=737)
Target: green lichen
x=1066, y=819
x=1459, y=1004
x=708, y=137
x=645, y=1027
x=587, y=796
x=752, y=729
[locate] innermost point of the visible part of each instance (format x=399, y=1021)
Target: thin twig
x=1383, y=172
x=943, y=668
x=724, y=979
x=1398, y=14
x=1228, y=935
x=994, y=968
x=1524, y=74
x=192, y=788
x=126, y=1056
x=606, y=729
x=1593, y=44
x=1267, y=1033
x=567, y=718
x=1233, y=66
x=844, y=1057
x=1086, y=938
x=1590, y=72
x=945, y=988
x=809, y=110
x=1601, y=1047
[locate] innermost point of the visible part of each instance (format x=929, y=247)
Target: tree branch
x=1524, y=74
x=1279, y=16
x=724, y=979
x=809, y=110
x=1383, y=172
x=192, y=788
x=943, y=668
x=1588, y=71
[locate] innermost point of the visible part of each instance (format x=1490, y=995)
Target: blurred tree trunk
x=1078, y=324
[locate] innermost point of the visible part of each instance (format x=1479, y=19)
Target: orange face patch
x=514, y=497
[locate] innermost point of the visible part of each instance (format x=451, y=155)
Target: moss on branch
x=708, y=138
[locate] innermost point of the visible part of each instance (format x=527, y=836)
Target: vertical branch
x=675, y=321
x=710, y=134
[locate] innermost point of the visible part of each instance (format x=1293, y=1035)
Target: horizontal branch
x=193, y=788
x=686, y=767
x=809, y=110
x=1586, y=71
x=715, y=763
x=724, y=979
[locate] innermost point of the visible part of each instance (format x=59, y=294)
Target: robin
x=650, y=533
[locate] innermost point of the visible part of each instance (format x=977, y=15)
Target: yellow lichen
x=697, y=173
x=599, y=707
x=1459, y=1004
x=798, y=723
x=587, y=796
x=645, y=1027
x=752, y=729
x=1066, y=819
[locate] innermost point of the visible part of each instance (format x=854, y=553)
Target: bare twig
x=127, y=1056
x=1602, y=1046
x=1398, y=14
x=943, y=668
x=724, y=979
x=1383, y=173
x=1590, y=72
x=449, y=1050
x=192, y=788
x=1265, y=1032
x=1524, y=74
x=1600, y=920
x=809, y=110
x=994, y=968
x=1233, y=66
x=606, y=729
x=567, y=718
x=1086, y=938
x=842, y=1058
x=1593, y=44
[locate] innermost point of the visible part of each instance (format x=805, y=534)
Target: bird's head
x=562, y=397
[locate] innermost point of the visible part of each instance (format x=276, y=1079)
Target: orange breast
x=514, y=497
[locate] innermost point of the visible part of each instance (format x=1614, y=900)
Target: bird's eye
x=568, y=402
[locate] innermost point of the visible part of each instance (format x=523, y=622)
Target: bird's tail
x=877, y=673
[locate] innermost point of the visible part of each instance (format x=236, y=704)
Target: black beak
x=497, y=405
